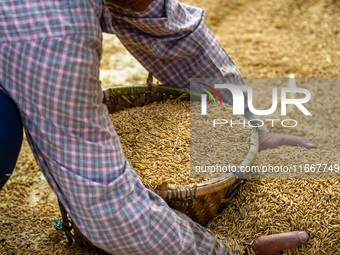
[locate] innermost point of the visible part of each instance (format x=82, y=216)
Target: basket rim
x=212, y=185
x=223, y=181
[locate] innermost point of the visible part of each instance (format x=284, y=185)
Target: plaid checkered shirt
x=49, y=65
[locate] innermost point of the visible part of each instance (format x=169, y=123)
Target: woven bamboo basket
x=200, y=202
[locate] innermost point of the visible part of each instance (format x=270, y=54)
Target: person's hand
x=275, y=244
x=272, y=140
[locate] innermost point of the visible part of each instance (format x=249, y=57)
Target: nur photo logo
x=242, y=95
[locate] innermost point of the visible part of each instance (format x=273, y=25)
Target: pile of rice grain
x=156, y=140
x=270, y=206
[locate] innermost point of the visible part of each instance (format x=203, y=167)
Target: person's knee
x=11, y=134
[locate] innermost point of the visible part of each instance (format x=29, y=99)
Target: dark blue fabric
x=10, y=137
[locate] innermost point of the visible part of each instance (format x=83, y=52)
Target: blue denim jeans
x=10, y=137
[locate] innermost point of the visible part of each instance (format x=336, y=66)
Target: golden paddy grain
x=156, y=140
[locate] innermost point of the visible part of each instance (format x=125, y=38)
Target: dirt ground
x=266, y=39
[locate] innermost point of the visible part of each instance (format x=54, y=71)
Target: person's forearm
x=171, y=41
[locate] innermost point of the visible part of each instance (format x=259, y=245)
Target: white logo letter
x=238, y=97
x=297, y=101
x=261, y=112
